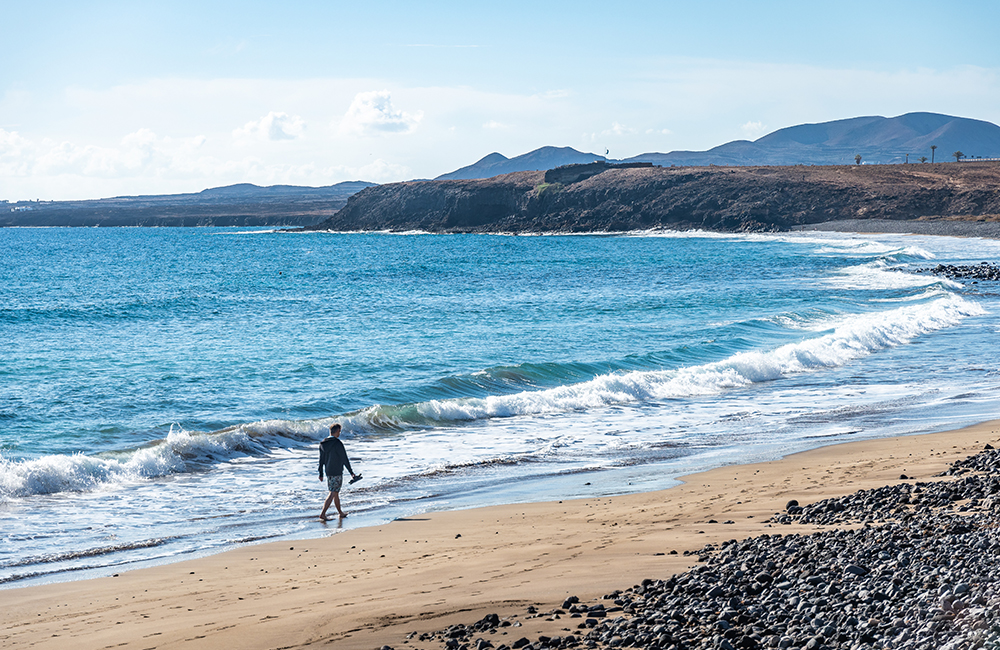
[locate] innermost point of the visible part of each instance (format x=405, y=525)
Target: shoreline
x=943, y=227
x=369, y=587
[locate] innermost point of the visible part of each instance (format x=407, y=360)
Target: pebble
x=921, y=572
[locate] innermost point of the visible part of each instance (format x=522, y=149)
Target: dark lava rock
x=981, y=271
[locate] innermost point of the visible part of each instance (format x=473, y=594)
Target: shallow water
x=163, y=390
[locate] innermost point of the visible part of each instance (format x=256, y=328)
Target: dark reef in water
x=981, y=271
x=603, y=197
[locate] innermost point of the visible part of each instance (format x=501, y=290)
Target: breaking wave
x=181, y=451
x=854, y=337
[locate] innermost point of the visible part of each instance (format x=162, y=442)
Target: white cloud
x=372, y=113
x=138, y=148
x=229, y=48
x=68, y=158
x=381, y=171
x=141, y=153
x=272, y=127
x=14, y=151
x=616, y=129
x=558, y=93
x=173, y=164
x=753, y=130
x=69, y=144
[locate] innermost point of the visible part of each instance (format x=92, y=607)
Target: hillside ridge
x=877, y=139
x=243, y=204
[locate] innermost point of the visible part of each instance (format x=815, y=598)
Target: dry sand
x=370, y=587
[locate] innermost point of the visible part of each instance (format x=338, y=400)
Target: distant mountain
x=883, y=140
x=496, y=164
x=242, y=205
x=249, y=190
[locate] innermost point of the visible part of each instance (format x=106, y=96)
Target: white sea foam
x=880, y=275
x=396, y=233
x=869, y=248
x=838, y=244
x=181, y=451
x=269, y=231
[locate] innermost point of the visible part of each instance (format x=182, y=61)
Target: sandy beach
x=371, y=587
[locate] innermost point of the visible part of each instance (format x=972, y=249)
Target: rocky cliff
x=607, y=197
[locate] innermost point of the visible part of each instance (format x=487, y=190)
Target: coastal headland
x=604, y=197
x=518, y=575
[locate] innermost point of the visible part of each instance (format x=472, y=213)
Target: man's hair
x=335, y=427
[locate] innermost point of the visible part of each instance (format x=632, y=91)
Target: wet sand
x=370, y=587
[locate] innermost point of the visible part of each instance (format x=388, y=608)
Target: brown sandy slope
x=370, y=587
x=711, y=198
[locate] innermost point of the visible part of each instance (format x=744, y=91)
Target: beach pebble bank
x=976, y=486
x=921, y=571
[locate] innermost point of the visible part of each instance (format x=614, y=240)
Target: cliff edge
x=603, y=197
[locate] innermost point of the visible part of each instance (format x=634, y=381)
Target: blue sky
x=112, y=98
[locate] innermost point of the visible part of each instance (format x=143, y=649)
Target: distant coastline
x=242, y=205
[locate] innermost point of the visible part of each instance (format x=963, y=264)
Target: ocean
x=163, y=391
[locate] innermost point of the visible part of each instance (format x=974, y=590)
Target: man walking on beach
x=333, y=459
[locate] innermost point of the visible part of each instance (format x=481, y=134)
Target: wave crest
x=181, y=451
x=184, y=451
x=851, y=338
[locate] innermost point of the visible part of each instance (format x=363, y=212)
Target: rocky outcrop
x=601, y=197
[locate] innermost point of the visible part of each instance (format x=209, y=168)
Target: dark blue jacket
x=333, y=457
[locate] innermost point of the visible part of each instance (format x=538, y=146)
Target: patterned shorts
x=335, y=482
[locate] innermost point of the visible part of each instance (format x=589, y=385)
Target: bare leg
x=336, y=502
x=326, y=505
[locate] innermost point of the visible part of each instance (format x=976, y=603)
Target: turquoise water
x=162, y=391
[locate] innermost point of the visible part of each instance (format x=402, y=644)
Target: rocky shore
x=912, y=565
